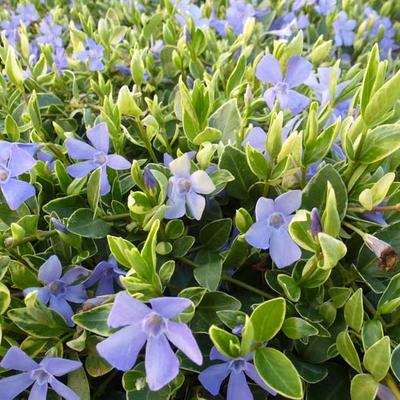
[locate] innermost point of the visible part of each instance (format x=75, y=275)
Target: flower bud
x=150, y=181
x=315, y=225
x=388, y=258
x=126, y=103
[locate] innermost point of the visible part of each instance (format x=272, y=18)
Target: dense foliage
x=199, y=200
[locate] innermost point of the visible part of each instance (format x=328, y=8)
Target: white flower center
x=238, y=365
x=184, y=185
x=276, y=220
x=40, y=375
x=57, y=287
x=4, y=174
x=154, y=324
x=100, y=158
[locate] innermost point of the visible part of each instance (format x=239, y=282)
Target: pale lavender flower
x=270, y=231
x=92, y=54
x=386, y=254
x=60, y=289
x=60, y=59
x=344, y=30
x=323, y=7
x=286, y=25
x=298, y=70
x=50, y=32
x=15, y=161
x=141, y=324
x=40, y=375
x=237, y=14
x=105, y=274
x=96, y=156
x=237, y=369
x=27, y=13
x=187, y=10
x=186, y=189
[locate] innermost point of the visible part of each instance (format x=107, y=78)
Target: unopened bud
x=388, y=258
x=58, y=225
x=126, y=103
x=315, y=225
x=149, y=180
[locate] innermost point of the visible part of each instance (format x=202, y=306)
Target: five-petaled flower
x=270, y=231
x=60, y=289
x=93, y=53
x=186, y=189
x=96, y=156
x=104, y=274
x=141, y=323
x=15, y=161
x=237, y=369
x=343, y=26
x=40, y=375
x=298, y=70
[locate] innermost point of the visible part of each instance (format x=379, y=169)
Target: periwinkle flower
x=40, y=375
x=189, y=10
x=141, y=324
x=105, y=274
x=237, y=14
x=298, y=70
x=96, y=156
x=60, y=59
x=323, y=7
x=388, y=258
x=270, y=231
x=343, y=26
x=185, y=188
x=27, y=13
x=60, y=289
x=237, y=369
x=92, y=54
x=15, y=161
x=50, y=32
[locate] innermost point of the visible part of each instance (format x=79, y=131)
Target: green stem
x=389, y=380
x=146, y=140
x=308, y=274
x=244, y=285
x=115, y=217
x=395, y=207
x=355, y=229
x=40, y=235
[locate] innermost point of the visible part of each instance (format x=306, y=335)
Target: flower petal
x=252, y=373
x=238, y=389
x=64, y=391
x=79, y=150
x=295, y=102
x=60, y=305
x=283, y=250
x=122, y=348
x=287, y=203
x=126, y=310
x=196, y=204
x=75, y=294
x=264, y=208
x=269, y=97
x=60, y=366
x=104, y=183
x=180, y=166
x=105, y=286
x=268, y=70
x=81, y=169
x=99, y=137
x=212, y=377
x=17, y=192
x=12, y=386
x=256, y=138
x=74, y=274
x=161, y=363
x=216, y=355
x=259, y=235
x=115, y=161
x=17, y=359
x=201, y=182
x=170, y=307
x=181, y=336
x=298, y=70
x=20, y=161
x=38, y=391
x=176, y=208
x=50, y=270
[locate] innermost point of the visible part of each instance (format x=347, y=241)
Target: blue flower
x=40, y=375
x=60, y=289
x=188, y=10
x=50, y=32
x=237, y=14
x=187, y=189
x=140, y=324
x=104, y=274
x=92, y=54
x=344, y=27
x=237, y=369
x=15, y=161
x=96, y=156
x=298, y=70
x=270, y=231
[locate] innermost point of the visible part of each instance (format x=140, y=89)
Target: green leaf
x=315, y=190
x=380, y=143
x=354, y=311
x=363, y=387
x=64, y=206
x=297, y=328
x=339, y=295
x=346, y=349
x=78, y=381
x=278, y=372
x=311, y=373
x=215, y=234
x=95, y=320
x=235, y=162
x=84, y=223
x=93, y=189
x=257, y=162
x=395, y=362
x=390, y=298
x=377, y=358
x=267, y=319
x=207, y=135
x=183, y=245
x=299, y=229
x=208, y=271
x=372, y=331
x=21, y=276
x=289, y=286
x=226, y=119
x=332, y=249
x=149, y=248
x=330, y=218
x=225, y=342
x=369, y=78
x=5, y=298
x=237, y=74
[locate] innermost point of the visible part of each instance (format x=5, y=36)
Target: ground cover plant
x=199, y=200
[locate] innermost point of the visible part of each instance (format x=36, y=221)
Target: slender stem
x=40, y=235
x=355, y=229
x=115, y=217
x=395, y=207
x=146, y=140
x=308, y=274
x=246, y=286
x=393, y=386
